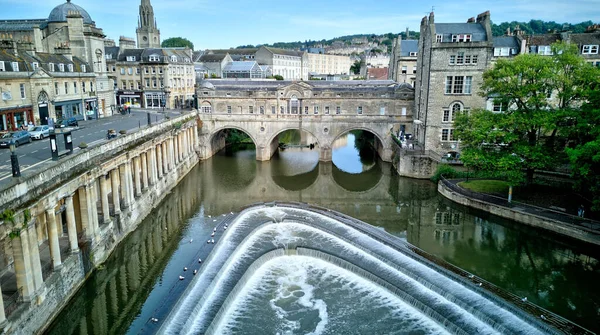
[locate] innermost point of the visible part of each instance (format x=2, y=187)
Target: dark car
x=16, y=137
x=70, y=122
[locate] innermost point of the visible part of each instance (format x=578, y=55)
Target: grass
x=498, y=187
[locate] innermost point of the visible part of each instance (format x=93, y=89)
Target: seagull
x=195, y=271
x=191, y=239
x=213, y=234
x=225, y=228
x=471, y=276
x=181, y=277
x=230, y=212
x=524, y=299
x=199, y=260
x=208, y=241
x=214, y=220
x=210, y=216
x=154, y=319
x=223, y=214
x=212, y=241
x=215, y=229
x=479, y=284
x=543, y=317
x=184, y=269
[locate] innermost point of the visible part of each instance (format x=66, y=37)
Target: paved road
x=32, y=156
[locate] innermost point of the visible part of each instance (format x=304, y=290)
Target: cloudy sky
x=229, y=23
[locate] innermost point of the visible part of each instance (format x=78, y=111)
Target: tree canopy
x=546, y=113
x=177, y=42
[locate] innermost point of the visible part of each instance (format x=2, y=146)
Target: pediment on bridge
x=300, y=87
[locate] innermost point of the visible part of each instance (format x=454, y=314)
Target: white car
x=39, y=132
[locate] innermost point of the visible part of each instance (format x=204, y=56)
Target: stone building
x=403, y=61
x=148, y=35
x=290, y=64
x=70, y=31
x=322, y=63
x=450, y=62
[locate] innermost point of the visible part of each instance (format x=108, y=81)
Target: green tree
x=355, y=68
x=177, y=42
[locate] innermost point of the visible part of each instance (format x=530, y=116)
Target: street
x=36, y=153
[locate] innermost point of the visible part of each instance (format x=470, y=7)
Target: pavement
x=36, y=156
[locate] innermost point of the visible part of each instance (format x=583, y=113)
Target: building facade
x=290, y=64
x=322, y=63
x=403, y=61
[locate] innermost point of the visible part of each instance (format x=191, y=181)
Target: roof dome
x=59, y=13
x=206, y=85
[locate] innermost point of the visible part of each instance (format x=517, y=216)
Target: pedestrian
x=128, y=109
x=581, y=211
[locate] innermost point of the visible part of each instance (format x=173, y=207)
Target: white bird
x=184, y=269
x=212, y=241
x=214, y=220
x=181, y=277
x=230, y=212
x=213, y=234
x=195, y=271
x=191, y=239
x=215, y=229
x=524, y=299
x=471, y=276
x=543, y=317
x=208, y=241
x=154, y=319
x=223, y=214
x=479, y=284
x=210, y=216
x=225, y=228
x=199, y=260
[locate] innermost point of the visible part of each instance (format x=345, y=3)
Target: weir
x=263, y=237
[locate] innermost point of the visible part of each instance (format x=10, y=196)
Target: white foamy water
x=310, y=296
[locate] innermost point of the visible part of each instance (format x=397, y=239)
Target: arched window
x=206, y=107
x=294, y=103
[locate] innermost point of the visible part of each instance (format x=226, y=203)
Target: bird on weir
x=181, y=277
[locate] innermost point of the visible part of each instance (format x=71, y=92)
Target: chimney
x=471, y=20
x=508, y=31
x=431, y=16
x=407, y=33
x=485, y=16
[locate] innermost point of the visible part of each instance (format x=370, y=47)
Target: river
x=553, y=272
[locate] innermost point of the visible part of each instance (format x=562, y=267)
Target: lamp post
x=14, y=160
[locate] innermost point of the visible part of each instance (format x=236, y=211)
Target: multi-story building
x=321, y=63
x=403, y=61
x=36, y=86
x=450, y=62
x=69, y=30
x=290, y=64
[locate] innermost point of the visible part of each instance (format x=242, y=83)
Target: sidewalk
x=588, y=225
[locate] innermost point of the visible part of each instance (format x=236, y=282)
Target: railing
x=12, y=303
x=592, y=225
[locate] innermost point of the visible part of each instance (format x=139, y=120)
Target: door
x=43, y=114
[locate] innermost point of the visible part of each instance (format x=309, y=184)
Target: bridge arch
x=382, y=145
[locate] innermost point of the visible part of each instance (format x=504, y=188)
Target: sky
x=211, y=24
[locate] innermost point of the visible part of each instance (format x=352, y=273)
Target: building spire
x=148, y=34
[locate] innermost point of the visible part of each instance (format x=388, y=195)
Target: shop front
x=91, y=108
x=130, y=98
x=14, y=118
x=155, y=99
x=67, y=109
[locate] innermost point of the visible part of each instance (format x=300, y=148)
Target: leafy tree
x=523, y=136
x=177, y=42
x=355, y=68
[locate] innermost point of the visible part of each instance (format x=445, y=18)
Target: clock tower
x=148, y=35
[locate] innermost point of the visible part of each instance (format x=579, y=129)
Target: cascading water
x=342, y=280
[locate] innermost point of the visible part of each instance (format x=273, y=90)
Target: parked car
x=18, y=137
x=39, y=132
x=70, y=122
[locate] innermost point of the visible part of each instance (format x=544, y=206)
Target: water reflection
x=352, y=153
x=553, y=272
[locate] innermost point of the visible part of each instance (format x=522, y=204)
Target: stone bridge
x=325, y=110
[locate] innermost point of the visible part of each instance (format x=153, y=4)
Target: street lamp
x=14, y=160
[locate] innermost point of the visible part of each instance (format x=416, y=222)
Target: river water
x=556, y=273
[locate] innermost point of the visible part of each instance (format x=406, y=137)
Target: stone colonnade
x=86, y=211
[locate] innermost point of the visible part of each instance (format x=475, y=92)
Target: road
x=35, y=154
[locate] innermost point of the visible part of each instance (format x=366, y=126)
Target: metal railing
x=12, y=303
x=592, y=225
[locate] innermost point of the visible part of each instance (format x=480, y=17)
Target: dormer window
x=83, y=68
x=544, y=50
x=2, y=69
x=439, y=38
x=51, y=67
x=108, y=56
x=154, y=58
x=589, y=49
x=61, y=67
x=70, y=66
x=35, y=65
x=412, y=54
x=131, y=58
x=461, y=38
x=173, y=58
x=15, y=66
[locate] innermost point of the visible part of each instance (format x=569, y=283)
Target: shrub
x=82, y=145
x=123, y=132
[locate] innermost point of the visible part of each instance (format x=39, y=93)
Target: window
x=338, y=110
x=139, y=85
x=438, y=38
x=282, y=110
x=131, y=58
x=206, y=109
x=174, y=58
x=467, y=59
x=262, y=109
x=147, y=82
x=404, y=69
x=160, y=70
x=403, y=111
x=153, y=82
x=382, y=110
x=461, y=38
x=130, y=71
x=70, y=67
x=83, y=86
x=75, y=87
x=501, y=52
x=56, y=88
x=146, y=70
x=359, y=110
x=154, y=58
x=35, y=65
x=124, y=84
x=458, y=84
x=66, y=88
x=498, y=107
x=83, y=69
x=414, y=69
x=61, y=67
x=316, y=110
x=22, y=90
x=122, y=70
x=474, y=59
x=153, y=69
x=228, y=109
x=251, y=109
x=91, y=86
x=326, y=110
x=447, y=134
x=589, y=49
x=51, y=67
x=413, y=54
x=460, y=58
x=306, y=110
x=452, y=59
x=137, y=70
x=544, y=50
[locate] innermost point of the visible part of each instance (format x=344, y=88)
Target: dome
x=59, y=13
x=206, y=85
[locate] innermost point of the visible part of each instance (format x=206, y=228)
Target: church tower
x=148, y=35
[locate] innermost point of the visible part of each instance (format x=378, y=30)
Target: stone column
x=34, y=251
x=104, y=199
x=181, y=146
x=114, y=178
x=175, y=141
x=159, y=161
x=153, y=165
x=23, y=268
x=173, y=157
x=144, y=163
x=93, y=206
x=136, y=176
x=195, y=137
x=130, y=186
x=2, y=315
x=123, y=177
x=53, y=239
x=71, y=225
x=85, y=213
x=165, y=158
